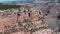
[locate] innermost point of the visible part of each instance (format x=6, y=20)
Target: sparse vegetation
x=3, y=7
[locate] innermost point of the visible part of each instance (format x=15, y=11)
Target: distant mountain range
x=25, y=1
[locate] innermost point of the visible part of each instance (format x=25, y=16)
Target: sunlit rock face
x=24, y=20
x=32, y=21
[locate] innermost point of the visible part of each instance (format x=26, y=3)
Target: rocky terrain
x=23, y=20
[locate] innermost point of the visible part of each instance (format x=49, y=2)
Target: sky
x=8, y=0
x=15, y=0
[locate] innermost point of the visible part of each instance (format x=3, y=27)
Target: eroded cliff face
x=23, y=20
